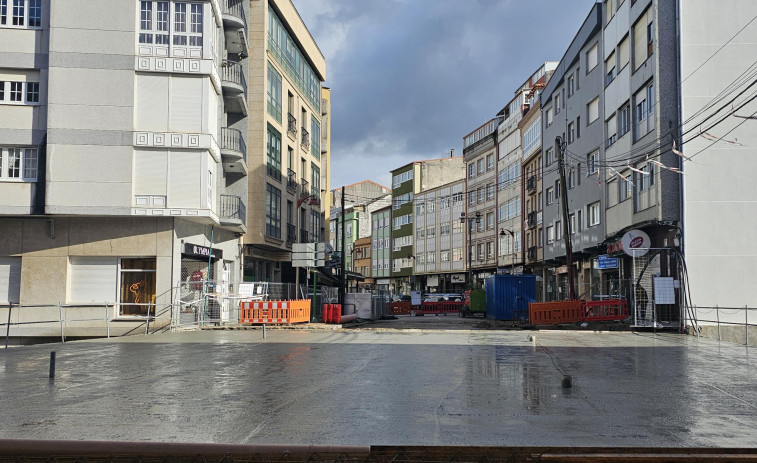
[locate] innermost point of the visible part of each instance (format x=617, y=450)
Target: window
x=471, y=170
x=420, y=233
x=444, y=256
x=315, y=137
x=571, y=85
x=510, y=209
x=480, y=194
x=611, y=129
x=550, y=195
x=626, y=187
x=592, y=163
x=431, y=207
x=592, y=58
x=137, y=286
x=592, y=110
x=550, y=116
x=572, y=224
x=610, y=68
x=444, y=202
x=18, y=164
x=550, y=234
x=129, y=281
x=15, y=92
x=480, y=166
x=643, y=111
x=210, y=189
x=273, y=151
x=21, y=14
x=643, y=41
x=444, y=229
x=609, y=10
x=558, y=229
x=571, y=132
x=420, y=209
x=623, y=54
x=594, y=214
x=172, y=23
x=274, y=93
x=480, y=251
x=431, y=257
x=472, y=197
x=490, y=250
x=624, y=120
x=571, y=179
x=457, y=254
x=532, y=136
x=315, y=180
x=273, y=212
x=490, y=220
x=558, y=102
x=457, y=199
x=549, y=157
x=490, y=191
x=558, y=190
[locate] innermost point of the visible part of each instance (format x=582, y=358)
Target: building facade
x=381, y=236
x=288, y=148
x=440, y=238
x=572, y=114
x=408, y=181
x=151, y=104
x=531, y=191
x=480, y=155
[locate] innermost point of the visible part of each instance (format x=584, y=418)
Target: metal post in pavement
x=8, y=326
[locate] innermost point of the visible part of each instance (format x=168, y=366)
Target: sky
x=410, y=78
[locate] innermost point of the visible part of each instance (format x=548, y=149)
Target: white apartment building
x=123, y=145
x=439, y=238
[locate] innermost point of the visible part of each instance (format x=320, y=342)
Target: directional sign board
x=308, y=255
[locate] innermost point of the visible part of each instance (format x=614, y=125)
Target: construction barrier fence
x=265, y=312
x=559, y=312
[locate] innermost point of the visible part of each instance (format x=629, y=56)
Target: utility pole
x=565, y=227
x=342, y=275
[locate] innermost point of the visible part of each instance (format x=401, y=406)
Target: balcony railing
x=531, y=183
x=303, y=236
x=232, y=207
x=232, y=72
x=531, y=219
x=291, y=181
x=234, y=8
x=291, y=233
x=291, y=124
x=531, y=254
x=304, y=190
x=232, y=139
x=305, y=141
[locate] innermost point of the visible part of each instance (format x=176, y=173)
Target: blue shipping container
x=507, y=296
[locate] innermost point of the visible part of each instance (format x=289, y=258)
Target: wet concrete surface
x=386, y=387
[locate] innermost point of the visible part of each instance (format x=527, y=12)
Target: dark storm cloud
x=410, y=78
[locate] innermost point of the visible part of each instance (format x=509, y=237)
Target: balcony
x=305, y=141
x=303, y=236
x=233, y=211
x=531, y=254
x=291, y=233
x=233, y=151
x=235, y=27
x=291, y=125
x=531, y=219
x=234, y=87
x=304, y=191
x=291, y=181
x=273, y=171
x=531, y=184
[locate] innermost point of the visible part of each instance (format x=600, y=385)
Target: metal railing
x=304, y=191
x=531, y=183
x=65, y=315
x=233, y=72
x=232, y=207
x=291, y=181
x=291, y=233
x=292, y=124
x=273, y=171
x=728, y=316
x=232, y=139
x=303, y=236
x=305, y=140
x=531, y=219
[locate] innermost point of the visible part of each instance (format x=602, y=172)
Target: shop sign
x=382, y=281
x=636, y=243
x=605, y=263
x=562, y=269
x=614, y=248
x=196, y=250
x=457, y=278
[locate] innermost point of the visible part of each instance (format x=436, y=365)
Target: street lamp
x=512, y=241
x=470, y=220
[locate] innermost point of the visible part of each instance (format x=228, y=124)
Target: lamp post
x=470, y=220
x=512, y=241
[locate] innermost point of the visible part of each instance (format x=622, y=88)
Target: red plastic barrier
x=326, y=312
x=558, y=312
x=337, y=314
x=613, y=309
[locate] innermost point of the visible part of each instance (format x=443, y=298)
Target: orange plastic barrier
x=440, y=307
x=554, y=313
x=613, y=309
x=400, y=308
x=296, y=311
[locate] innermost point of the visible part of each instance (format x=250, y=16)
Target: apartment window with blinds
x=18, y=164
x=21, y=13
x=592, y=58
x=643, y=39
x=176, y=25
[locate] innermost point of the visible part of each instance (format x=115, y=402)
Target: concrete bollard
x=264, y=334
x=52, y=364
